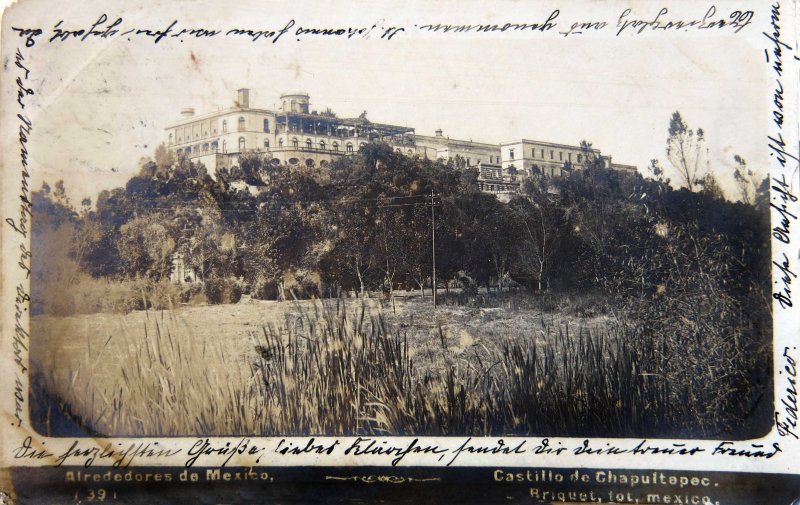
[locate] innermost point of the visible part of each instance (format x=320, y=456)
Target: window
x=336, y=147
x=309, y=144
x=361, y=146
x=214, y=146
x=410, y=152
x=266, y=126
x=533, y=152
x=224, y=146
x=241, y=144
x=280, y=142
x=542, y=153
x=205, y=147
x=322, y=144
x=511, y=154
x=224, y=126
x=309, y=163
x=170, y=139
x=560, y=156
x=293, y=161
x=295, y=143
x=241, y=123
x=349, y=147
x=552, y=154
x=580, y=158
x=266, y=143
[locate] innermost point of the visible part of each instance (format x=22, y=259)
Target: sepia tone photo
x=436, y=233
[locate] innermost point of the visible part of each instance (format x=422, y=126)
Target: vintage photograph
x=438, y=234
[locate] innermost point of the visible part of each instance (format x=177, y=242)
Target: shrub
x=265, y=289
x=190, y=292
x=222, y=291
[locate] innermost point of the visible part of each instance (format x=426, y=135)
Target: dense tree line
x=365, y=224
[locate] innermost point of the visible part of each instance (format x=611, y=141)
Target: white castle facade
x=295, y=135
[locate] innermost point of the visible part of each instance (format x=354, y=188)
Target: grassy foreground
x=341, y=367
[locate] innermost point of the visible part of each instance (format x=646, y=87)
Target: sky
x=103, y=105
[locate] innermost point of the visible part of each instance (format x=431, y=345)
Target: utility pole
x=433, y=246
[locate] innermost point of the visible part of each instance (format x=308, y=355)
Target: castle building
x=296, y=135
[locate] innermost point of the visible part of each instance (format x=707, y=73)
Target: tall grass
x=340, y=369
x=150, y=380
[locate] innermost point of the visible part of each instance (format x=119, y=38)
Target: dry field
x=352, y=366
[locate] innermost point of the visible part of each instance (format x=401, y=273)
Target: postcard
x=447, y=252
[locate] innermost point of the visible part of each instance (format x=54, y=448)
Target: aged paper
x=458, y=251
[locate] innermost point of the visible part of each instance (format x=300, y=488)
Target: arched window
x=214, y=146
x=224, y=126
x=241, y=123
x=309, y=144
x=309, y=163
x=349, y=147
x=280, y=142
x=224, y=146
x=323, y=163
x=205, y=146
x=336, y=147
x=241, y=144
x=266, y=143
x=266, y=126
x=322, y=144
x=295, y=143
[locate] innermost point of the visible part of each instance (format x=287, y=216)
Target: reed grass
x=341, y=369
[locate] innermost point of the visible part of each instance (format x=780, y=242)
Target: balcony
x=316, y=150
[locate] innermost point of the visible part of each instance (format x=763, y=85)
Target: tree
x=145, y=247
x=685, y=151
x=489, y=238
x=590, y=156
x=711, y=186
x=746, y=180
x=542, y=232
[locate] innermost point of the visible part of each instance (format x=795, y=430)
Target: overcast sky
x=103, y=105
